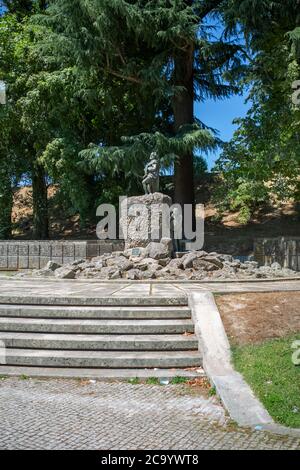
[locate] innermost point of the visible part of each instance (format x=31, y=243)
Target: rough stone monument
x=142, y=221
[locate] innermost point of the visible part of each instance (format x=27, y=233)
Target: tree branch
x=208, y=7
x=124, y=77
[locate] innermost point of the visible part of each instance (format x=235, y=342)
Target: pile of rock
x=155, y=262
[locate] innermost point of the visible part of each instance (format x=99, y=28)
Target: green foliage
x=136, y=66
x=263, y=158
x=200, y=166
x=179, y=380
x=153, y=381
x=95, y=85
x=134, y=381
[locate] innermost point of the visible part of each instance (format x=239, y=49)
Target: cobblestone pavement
x=69, y=414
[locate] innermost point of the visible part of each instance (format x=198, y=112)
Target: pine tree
x=162, y=53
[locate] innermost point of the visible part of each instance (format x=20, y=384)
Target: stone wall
x=15, y=255
x=283, y=250
x=229, y=244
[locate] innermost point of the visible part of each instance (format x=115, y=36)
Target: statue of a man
x=151, y=177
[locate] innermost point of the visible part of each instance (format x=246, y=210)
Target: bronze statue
x=151, y=176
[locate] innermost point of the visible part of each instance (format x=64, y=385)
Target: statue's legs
x=147, y=185
x=145, y=188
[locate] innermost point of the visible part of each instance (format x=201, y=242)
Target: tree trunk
x=6, y=205
x=40, y=204
x=183, y=107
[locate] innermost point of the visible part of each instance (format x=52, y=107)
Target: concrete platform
x=104, y=359
x=37, y=291
x=100, y=342
x=145, y=327
x=102, y=375
x=84, y=312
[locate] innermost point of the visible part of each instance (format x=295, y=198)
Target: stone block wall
x=283, y=250
x=15, y=255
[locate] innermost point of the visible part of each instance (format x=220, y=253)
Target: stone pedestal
x=141, y=219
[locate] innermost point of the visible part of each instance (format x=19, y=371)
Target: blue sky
x=219, y=115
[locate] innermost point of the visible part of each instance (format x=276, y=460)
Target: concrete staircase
x=124, y=337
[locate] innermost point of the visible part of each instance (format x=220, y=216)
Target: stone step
x=103, y=359
x=133, y=327
x=100, y=342
x=100, y=374
x=76, y=300
x=36, y=311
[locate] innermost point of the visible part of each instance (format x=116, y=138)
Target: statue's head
x=153, y=156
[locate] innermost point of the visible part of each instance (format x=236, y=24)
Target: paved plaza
x=11, y=288
x=69, y=414
x=74, y=414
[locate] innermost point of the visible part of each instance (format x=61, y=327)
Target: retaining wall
x=283, y=250
x=16, y=255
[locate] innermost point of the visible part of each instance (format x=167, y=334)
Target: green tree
x=263, y=157
x=23, y=7
x=10, y=165
x=22, y=137
x=162, y=56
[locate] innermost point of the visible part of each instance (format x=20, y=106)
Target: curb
x=155, y=281
x=236, y=395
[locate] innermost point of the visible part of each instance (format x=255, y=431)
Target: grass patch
x=153, y=381
x=134, y=381
x=269, y=370
x=179, y=380
x=24, y=377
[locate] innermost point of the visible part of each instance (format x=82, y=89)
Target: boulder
x=276, y=266
x=204, y=265
x=150, y=274
x=168, y=242
x=215, y=261
x=228, y=258
x=77, y=262
x=176, y=263
x=116, y=275
x=251, y=264
x=134, y=274
x=43, y=273
x=164, y=262
x=188, y=259
x=65, y=272
x=159, y=250
x=122, y=263
x=52, y=266
x=147, y=264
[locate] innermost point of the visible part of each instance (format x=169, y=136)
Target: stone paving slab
x=68, y=414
